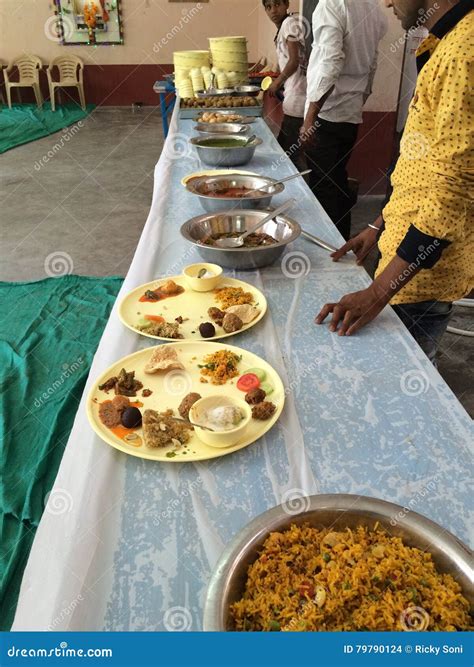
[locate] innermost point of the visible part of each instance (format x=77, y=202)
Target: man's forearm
x=314, y=108
x=396, y=275
x=289, y=69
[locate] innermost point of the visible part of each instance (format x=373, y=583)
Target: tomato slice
x=248, y=382
x=155, y=318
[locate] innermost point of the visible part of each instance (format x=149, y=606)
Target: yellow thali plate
x=170, y=387
x=216, y=172
x=188, y=304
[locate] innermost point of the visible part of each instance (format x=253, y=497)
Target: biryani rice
x=307, y=579
x=220, y=367
x=232, y=296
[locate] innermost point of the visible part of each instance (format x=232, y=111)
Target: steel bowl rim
x=190, y=187
x=254, y=88
x=243, y=128
x=260, y=527
x=194, y=141
x=296, y=230
x=228, y=112
x=219, y=92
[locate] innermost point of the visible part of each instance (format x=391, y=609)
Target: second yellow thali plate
x=189, y=304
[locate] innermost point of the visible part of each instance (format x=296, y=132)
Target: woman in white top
x=291, y=81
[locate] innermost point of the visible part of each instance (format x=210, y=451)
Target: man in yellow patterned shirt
x=426, y=232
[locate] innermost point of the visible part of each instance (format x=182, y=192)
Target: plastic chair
x=2, y=67
x=29, y=68
x=70, y=76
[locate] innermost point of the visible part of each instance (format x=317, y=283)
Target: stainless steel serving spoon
x=190, y=423
x=238, y=241
x=272, y=185
x=249, y=140
x=319, y=242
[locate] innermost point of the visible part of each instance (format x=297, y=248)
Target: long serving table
x=129, y=544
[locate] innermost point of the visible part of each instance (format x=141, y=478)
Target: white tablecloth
x=128, y=544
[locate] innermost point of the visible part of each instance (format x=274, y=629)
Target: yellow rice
x=220, y=366
x=232, y=296
x=308, y=580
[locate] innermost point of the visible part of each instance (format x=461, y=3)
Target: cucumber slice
x=267, y=388
x=259, y=372
x=144, y=323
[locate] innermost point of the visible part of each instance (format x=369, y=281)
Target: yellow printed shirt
x=433, y=182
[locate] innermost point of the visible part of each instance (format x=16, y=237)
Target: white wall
x=25, y=26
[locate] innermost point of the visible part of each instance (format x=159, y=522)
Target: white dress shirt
x=344, y=54
x=295, y=85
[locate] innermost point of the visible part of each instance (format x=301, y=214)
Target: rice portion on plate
x=307, y=579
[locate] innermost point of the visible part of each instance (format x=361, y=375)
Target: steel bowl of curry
x=229, y=191
x=261, y=248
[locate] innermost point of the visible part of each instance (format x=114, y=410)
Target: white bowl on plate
x=223, y=438
x=205, y=284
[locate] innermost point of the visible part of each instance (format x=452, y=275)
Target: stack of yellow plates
x=185, y=88
x=229, y=54
x=188, y=71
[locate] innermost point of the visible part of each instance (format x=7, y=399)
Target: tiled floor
x=85, y=207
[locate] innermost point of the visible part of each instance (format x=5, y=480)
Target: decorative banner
x=87, y=22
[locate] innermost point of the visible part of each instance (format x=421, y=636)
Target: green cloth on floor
x=49, y=333
x=25, y=122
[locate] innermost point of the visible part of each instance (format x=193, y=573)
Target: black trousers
x=289, y=140
x=327, y=155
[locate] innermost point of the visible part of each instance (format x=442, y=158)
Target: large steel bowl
x=283, y=229
x=339, y=511
x=204, y=188
x=217, y=156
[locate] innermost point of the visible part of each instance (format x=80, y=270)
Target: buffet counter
x=130, y=544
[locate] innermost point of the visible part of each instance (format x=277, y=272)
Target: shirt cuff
x=317, y=91
x=421, y=249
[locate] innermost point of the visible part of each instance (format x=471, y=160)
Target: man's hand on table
x=357, y=309
x=361, y=245
x=354, y=310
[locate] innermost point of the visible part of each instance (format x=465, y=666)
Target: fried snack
x=164, y=358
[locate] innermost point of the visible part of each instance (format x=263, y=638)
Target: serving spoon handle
x=282, y=180
x=273, y=214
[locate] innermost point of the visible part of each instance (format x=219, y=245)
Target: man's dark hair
x=264, y=2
